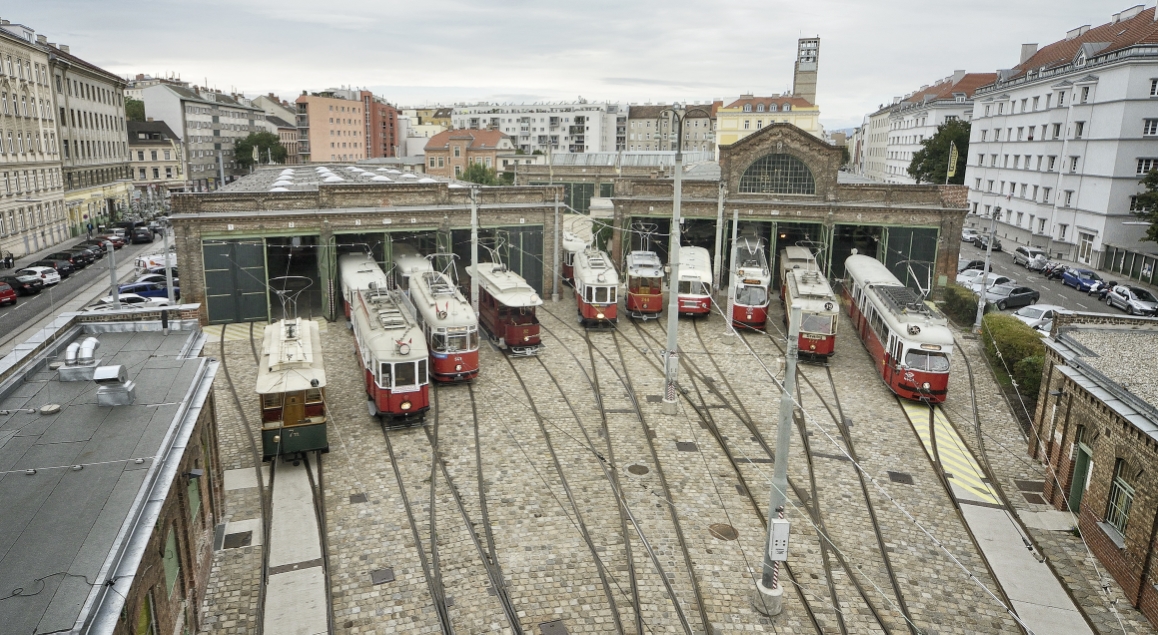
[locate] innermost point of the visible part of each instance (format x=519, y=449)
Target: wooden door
x=295, y=408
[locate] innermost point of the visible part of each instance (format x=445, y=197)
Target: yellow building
x=749, y=114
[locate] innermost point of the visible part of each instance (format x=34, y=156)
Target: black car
x=64, y=267
x=161, y=270
x=96, y=247
x=982, y=242
x=77, y=262
x=141, y=235
x=964, y=264
x=23, y=285
x=87, y=255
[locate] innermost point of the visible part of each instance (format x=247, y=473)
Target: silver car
x=1132, y=300
x=1037, y=315
x=991, y=280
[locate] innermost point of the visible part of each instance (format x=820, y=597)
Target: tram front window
x=752, y=296
x=813, y=323
x=459, y=341
x=644, y=285
x=438, y=342
x=601, y=295
x=927, y=361
x=385, y=380
x=691, y=287
x=404, y=374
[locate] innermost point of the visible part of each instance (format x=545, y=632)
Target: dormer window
x=787, y=107
x=759, y=107
x=772, y=108
x=1081, y=60
x=747, y=107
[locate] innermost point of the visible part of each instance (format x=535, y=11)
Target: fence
x=1130, y=264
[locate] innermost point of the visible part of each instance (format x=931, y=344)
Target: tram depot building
x=109, y=480
x=782, y=181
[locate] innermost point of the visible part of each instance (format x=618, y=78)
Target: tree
x=267, y=144
x=134, y=109
x=1145, y=205
x=481, y=174
x=931, y=162
x=844, y=156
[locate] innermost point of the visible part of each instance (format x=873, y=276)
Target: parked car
x=1080, y=279
x=77, y=262
x=1038, y=263
x=7, y=294
x=969, y=235
x=964, y=264
x=83, y=254
x=129, y=300
x=982, y=242
x=48, y=275
x=62, y=267
x=1009, y=295
x=149, y=289
x=23, y=284
x=158, y=278
x=991, y=280
x=161, y=270
x=967, y=277
x=1132, y=300
x=141, y=235
x=1038, y=314
x=1024, y=255
x=96, y=247
x=117, y=240
x=1101, y=288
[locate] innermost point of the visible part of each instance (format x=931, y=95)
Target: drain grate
x=654, y=398
x=722, y=531
x=1030, y=486
x=239, y=539
x=357, y=498
x=686, y=446
x=382, y=576
x=553, y=628
x=637, y=469
x=901, y=477
x=1036, y=499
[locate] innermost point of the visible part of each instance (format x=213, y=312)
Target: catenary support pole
x=716, y=279
x=730, y=329
x=558, y=267
x=113, y=275
x=671, y=361
x=474, y=249
x=769, y=595
x=985, y=271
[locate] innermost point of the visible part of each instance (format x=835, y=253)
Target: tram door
x=294, y=409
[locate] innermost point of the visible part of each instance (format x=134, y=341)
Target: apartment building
x=141, y=81
x=208, y=123
x=382, y=135
x=579, y=126
x=331, y=128
x=450, y=153
x=750, y=113
x=156, y=157
x=652, y=127
x=32, y=209
x=1060, y=141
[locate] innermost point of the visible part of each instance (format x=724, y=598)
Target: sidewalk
x=28, y=259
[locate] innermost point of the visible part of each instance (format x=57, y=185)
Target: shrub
x=1027, y=374
x=1014, y=339
x=960, y=304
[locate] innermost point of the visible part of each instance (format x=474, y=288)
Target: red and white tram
x=358, y=271
x=506, y=307
x=407, y=263
x=572, y=247
x=795, y=258
x=695, y=284
x=907, y=338
x=596, y=288
x=448, y=322
x=644, y=285
x=753, y=279
x=819, y=310
x=390, y=348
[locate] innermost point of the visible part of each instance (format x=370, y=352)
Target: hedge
x=960, y=304
x=1021, y=351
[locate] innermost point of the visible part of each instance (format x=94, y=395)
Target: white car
x=1037, y=315
x=968, y=277
x=991, y=281
x=47, y=274
x=131, y=299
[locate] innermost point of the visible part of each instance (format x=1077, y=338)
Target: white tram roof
x=572, y=242
x=695, y=264
x=795, y=253
x=751, y=259
x=291, y=357
x=359, y=271
x=808, y=283
x=899, y=305
x=382, y=320
x=408, y=261
x=644, y=264
x=505, y=286
x=594, y=268
x=432, y=292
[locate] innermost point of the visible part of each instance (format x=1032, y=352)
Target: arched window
x=759, y=107
x=787, y=107
x=777, y=174
x=772, y=108
x=747, y=107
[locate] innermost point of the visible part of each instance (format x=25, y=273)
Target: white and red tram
x=906, y=337
x=694, y=290
x=358, y=271
x=407, y=263
x=506, y=307
x=644, y=285
x=753, y=280
x=596, y=288
x=449, y=323
x=819, y=310
x=572, y=247
x=795, y=258
x=392, y=352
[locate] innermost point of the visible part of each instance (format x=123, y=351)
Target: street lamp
x=985, y=269
x=671, y=362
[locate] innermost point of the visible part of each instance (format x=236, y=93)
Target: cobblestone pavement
x=550, y=571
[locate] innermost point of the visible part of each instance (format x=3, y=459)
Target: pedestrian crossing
x=965, y=475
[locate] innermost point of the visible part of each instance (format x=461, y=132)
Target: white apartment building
x=1060, y=141
x=563, y=127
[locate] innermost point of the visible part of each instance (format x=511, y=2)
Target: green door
x=235, y=280
x=1081, y=470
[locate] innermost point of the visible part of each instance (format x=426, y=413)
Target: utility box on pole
x=778, y=532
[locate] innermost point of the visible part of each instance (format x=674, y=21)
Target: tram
x=392, y=353
x=446, y=317
x=358, y=271
x=795, y=258
x=572, y=246
x=596, y=288
x=753, y=279
x=291, y=389
x=907, y=338
x=819, y=311
x=644, y=285
x=506, y=306
x=694, y=290
x=407, y=263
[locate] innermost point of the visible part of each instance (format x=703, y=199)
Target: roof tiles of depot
x=1107, y=38
x=309, y=178
x=73, y=483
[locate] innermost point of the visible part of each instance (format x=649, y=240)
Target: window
x=146, y=625
x=1052, y=161
x=1057, y=130
x=1073, y=164
x=1079, y=129
x=1069, y=198
x=172, y=562
x=747, y=107
x=1041, y=225
x=990, y=186
x=1061, y=99
x=143, y=177
x=1030, y=136
x=778, y=174
x=1154, y=88
x=984, y=133
x=1061, y=231
x=1020, y=131
x=759, y=107
x=980, y=159
x=1019, y=219
x=1121, y=496
x=1035, y=100
x=1150, y=126
x=747, y=124
x=168, y=172
x=1085, y=94
x=1146, y=165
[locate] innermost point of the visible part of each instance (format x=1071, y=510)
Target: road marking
x=1082, y=305
x=955, y=456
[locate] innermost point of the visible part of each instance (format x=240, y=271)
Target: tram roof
x=796, y=253
x=572, y=242
x=593, y=267
x=695, y=263
x=359, y=270
x=408, y=260
x=900, y=305
x=433, y=292
x=644, y=264
x=291, y=357
x=385, y=318
x=505, y=286
x=809, y=283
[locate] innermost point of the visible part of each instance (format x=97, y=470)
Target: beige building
x=652, y=127
x=32, y=206
x=749, y=113
x=450, y=153
x=330, y=129
x=156, y=157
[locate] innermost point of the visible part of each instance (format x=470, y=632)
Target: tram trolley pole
x=769, y=596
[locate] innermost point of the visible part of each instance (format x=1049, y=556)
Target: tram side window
x=422, y=376
x=691, y=287
x=314, y=395
x=385, y=378
x=927, y=361
x=589, y=294
x=813, y=323
x=404, y=374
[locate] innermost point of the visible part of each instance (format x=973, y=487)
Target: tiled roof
x=1107, y=38
x=189, y=94
x=76, y=61
x=135, y=127
x=479, y=139
x=796, y=102
x=279, y=122
x=946, y=89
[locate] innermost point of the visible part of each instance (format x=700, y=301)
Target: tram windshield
x=643, y=285
x=816, y=323
x=459, y=340
x=520, y=315
x=403, y=374
x=600, y=295
x=927, y=361
x=752, y=295
x=692, y=287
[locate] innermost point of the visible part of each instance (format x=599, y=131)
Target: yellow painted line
x=955, y=456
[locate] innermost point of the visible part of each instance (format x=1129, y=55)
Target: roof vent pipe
x=87, y=349
x=70, y=354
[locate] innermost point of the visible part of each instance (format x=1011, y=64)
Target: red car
x=116, y=240
x=7, y=294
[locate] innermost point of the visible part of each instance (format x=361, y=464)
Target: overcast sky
x=416, y=53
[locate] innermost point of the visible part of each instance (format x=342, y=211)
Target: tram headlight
x=458, y=366
x=526, y=338
x=812, y=347
x=925, y=386
x=405, y=405
x=599, y=315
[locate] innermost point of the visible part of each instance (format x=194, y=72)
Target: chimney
x=5, y=22
x=1076, y=33
x=42, y=39
x=64, y=48
x=1028, y=51
x=958, y=76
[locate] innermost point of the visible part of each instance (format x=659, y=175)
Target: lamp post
x=671, y=362
x=985, y=269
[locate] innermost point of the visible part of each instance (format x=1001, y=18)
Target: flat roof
x=307, y=178
x=77, y=486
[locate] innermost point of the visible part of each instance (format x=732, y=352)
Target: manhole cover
x=721, y=531
x=357, y=498
x=901, y=477
x=638, y=470
x=553, y=628
x=382, y=576
x=685, y=446
x=239, y=539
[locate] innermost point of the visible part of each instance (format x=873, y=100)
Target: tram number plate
x=810, y=336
